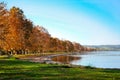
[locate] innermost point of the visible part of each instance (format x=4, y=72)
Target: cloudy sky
x=89, y=22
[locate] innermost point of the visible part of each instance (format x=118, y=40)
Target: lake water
x=100, y=59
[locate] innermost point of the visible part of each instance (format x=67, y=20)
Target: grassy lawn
x=12, y=69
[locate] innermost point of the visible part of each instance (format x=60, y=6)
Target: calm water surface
x=101, y=59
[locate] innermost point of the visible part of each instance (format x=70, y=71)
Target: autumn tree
x=34, y=39
x=78, y=47
x=18, y=35
x=54, y=43
x=15, y=38
x=3, y=26
x=70, y=47
x=39, y=39
x=44, y=39
x=27, y=28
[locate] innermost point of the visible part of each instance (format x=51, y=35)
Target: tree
x=54, y=44
x=39, y=39
x=18, y=35
x=78, y=47
x=70, y=46
x=44, y=39
x=28, y=27
x=3, y=26
x=15, y=38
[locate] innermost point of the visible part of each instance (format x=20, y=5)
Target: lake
x=100, y=59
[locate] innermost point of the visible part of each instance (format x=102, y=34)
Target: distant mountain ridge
x=105, y=47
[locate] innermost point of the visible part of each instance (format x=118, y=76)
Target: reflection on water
x=65, y=59
x=101, y=59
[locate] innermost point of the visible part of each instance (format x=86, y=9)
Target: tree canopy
x=18, y=35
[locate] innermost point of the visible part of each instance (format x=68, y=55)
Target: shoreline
x=48, y=60
x=45, y=59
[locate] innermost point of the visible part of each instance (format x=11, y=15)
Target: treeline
x=18, y=35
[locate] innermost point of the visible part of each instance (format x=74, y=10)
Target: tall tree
x=3, y=26
x=28, y=27
x=15, y=38
x=44, y=39
x=19, y=35
x=39, y=39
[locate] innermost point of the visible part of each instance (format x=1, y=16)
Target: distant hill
x=105, y=47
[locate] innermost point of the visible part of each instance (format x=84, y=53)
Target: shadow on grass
x=111, y=70
x=57, y=66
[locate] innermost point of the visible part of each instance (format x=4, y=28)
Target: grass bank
x=12, y=69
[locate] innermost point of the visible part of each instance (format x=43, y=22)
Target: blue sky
x=89, y=22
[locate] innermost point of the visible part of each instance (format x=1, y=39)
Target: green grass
x=12, y=69
x=38, y=54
